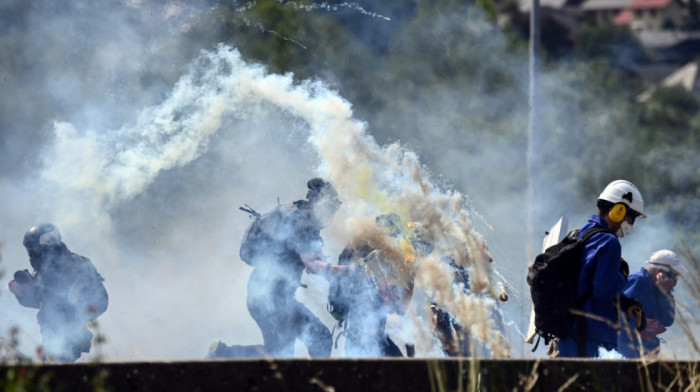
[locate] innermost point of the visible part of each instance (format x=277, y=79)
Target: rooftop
x=649, y=4
x=599, y=5
x=665, y=38
x=525, y=5
x=624, y=18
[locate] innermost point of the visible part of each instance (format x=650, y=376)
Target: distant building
x=671, y=46
x=653, y=15
x=525, y=5
x=667, y=28
x=639, y=15
x=603, y=12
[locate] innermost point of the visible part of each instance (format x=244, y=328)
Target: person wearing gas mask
x=653, y=286
x=362, y=301
x=67, y=290
x=280, y=245
x=602, y=274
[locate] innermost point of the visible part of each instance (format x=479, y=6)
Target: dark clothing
x=659, y=309
x=599, y=284
x=282, y=318
x=365, y=336
x=454, y=339
x=69, y=292
x=289, y=231
x=358, y=299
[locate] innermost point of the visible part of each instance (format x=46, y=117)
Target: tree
x=667, y=118
x=617, y=45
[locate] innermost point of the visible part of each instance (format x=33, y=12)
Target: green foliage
x=618, y=45
x=24, y=378
x=449, y=47
x=693, y=22
x=286, y=36
x=667, y=117
x=440, y=77
x=666, y=143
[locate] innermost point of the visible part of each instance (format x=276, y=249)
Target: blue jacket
x=600, y=283
x=656, y=306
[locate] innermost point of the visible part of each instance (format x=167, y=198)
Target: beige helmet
x=667, y=259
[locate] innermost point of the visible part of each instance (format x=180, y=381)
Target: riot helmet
x=44, y=234
x=37, y=238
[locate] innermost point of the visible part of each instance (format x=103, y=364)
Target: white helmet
x=621, y=191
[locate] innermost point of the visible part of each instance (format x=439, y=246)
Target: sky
x=141, y=146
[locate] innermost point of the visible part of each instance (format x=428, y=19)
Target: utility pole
x=532, y=159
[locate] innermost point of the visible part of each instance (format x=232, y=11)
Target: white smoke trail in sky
x=336, y=7
x=221, y=90
x=305, y=7
x=320, y=6
x=263, y=29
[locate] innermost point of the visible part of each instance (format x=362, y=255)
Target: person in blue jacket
x=653, y=287
x=601, y=277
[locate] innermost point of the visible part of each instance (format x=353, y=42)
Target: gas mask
x=625, y=229
x=35, y=256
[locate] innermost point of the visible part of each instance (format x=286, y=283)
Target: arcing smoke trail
x=336, y=7
x=371, y=179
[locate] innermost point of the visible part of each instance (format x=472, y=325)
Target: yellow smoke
x=389, y=180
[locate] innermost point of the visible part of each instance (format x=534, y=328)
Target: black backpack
x=252, y=235
x=263, y=233
x=553, y=280
x=92, y=290
x=343, y=289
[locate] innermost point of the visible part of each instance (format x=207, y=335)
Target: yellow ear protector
x=617, y=212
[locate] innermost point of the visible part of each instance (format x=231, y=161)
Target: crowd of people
x=618, y=310
x=366, y=285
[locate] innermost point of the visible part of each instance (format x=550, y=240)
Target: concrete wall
x=341, y=375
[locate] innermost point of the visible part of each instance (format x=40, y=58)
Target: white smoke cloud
x=152, y=195
x=95, y=176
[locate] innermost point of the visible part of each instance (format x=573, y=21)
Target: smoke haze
x=100, y=179
x=140, y=145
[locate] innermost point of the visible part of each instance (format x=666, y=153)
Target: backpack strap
x=594, y=230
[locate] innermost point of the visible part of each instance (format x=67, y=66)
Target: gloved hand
x=26, y=289
x=632, y=307
x=624, y=268
x=653, y=328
